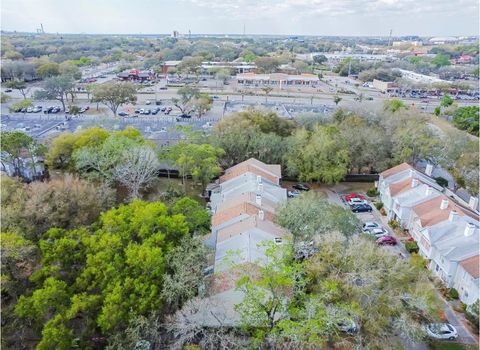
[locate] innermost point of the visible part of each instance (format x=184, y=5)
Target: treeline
x=325, y=149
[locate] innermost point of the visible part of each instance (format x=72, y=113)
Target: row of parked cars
x=147, y=111
x=358, y=203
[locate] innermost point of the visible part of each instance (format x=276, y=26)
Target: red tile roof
x=429, y=212
x=402, y=186
x=471, y=265
x=395, y=170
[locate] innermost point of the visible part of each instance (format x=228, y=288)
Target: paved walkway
x=457, y=320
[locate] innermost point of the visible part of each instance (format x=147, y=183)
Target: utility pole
x=390, y=38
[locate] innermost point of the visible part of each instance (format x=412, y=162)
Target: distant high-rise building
x=175, y=34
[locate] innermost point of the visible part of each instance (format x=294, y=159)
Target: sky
x=291, y=17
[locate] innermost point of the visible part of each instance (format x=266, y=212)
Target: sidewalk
x=458, y=321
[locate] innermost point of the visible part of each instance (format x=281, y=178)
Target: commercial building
x=420, y=78
x=385, y=86
x=234, y=67
x=278, y=80
x=136, y=75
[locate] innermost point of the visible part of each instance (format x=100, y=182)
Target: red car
x=386, y=240
x=353, y=195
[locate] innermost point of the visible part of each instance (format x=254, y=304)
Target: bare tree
x=138, y=168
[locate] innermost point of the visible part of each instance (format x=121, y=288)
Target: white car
x=370, y=225
x=442, y=331
x=148, y=102
x=207, y=125
x=356, y=201
x=378, y=232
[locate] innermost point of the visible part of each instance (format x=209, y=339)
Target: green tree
x=19, y=105
x=185, y=101
x=59, y=155
x=56, y=88
x=103, y=161
x=196, y=216
x=253, y=133
x=48, y=70
x=70, y=69
x=437, y=111
x=312, y=303
x=14, y=144
x=18, y=262
x=4, y=98
x=320, y=59
x=414, y=140
x=321, y=218
x=185, y=266
x=441, y=60
x=394, y=105
x=93, y=281
x=19, y=85
x=318, y=155
x=198, y=160
x=267, y=64
x=202, y=104
x=447, y=101
x=267, y=90
x=115, y=94
x=467, y=118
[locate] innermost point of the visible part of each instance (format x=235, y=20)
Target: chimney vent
x=429, y=169
x=453, y=216
x=469, y=229
x=444, y=204
x=258, y=199
x=414, y=183
x=473, y=202
x=261, y=214
x=428, y=191
x=259, y=179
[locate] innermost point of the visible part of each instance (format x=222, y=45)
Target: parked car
x=8, y=90
x=387, y=240
x=29, y=109
x=123, y=114
x=347, y=326
x=293, y=194
x=154, y=112
x=163, y=129
x=37, y=109
x=301, y=187
x=148, y=102
x=378, y=232
x=147, y=112
x=361, y=208
x=370, y=225
x=353, y=195
x=442, y=331
x=185, y=116
x=356, y=201
x=163, y=109
x=207, y=125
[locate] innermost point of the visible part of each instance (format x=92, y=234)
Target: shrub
x=372, y=192
x=453, y=293
x=472, y=315
x=382, y=211
x=441, y=181
x=393, y=224
x=379, y=205
x=411, y=246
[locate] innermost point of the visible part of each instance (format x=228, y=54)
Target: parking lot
x=286, y=110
